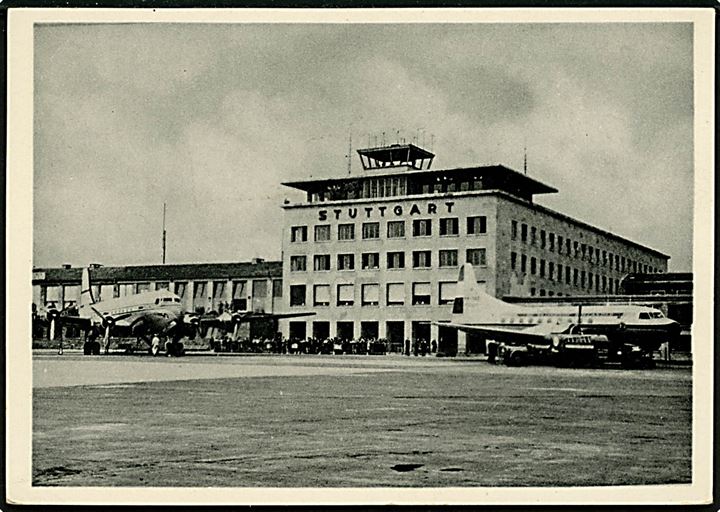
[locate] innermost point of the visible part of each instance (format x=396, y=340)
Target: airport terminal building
x=376, y=254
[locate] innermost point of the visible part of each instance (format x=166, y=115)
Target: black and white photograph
x=371, y=256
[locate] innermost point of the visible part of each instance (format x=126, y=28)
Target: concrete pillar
x=382, y=330
x=333, y=329
x=228, y=292
x=462, y=343
x=189, y=294
x=434, y=335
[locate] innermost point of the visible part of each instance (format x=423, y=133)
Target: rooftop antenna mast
x=525, y=157
x=349, y=155
x=164, y=238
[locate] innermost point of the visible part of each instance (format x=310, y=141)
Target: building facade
x=376, y=254
x=251, y=286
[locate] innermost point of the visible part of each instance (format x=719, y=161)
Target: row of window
x=563, y=273
x=394, y=187
x=575, y=249
x=393, y=260
x=449, y=226
x=395, y=294
x=201, y=289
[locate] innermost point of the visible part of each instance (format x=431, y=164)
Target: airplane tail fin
x=86, y=295
x=473, y=305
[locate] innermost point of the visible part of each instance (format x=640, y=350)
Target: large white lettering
x=379, y=211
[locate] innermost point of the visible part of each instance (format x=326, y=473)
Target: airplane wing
x=226, y=319
x=530, y=333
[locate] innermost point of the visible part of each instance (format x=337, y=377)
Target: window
x=567, y=247
x=590, y=280
x=396, y=229
x=370, y=294
x=420, y=294
x=298, y=263
x=346, y=231
x=523, y=263
x=370, y=230
x=523, y=232
x=422, y=227
x=551, y=270
x=346, y=262
x=533, y=235
x=298, y=234
x=476, y=225
x=297, y=295
x=582, y=279
x=396, y=260
x=421, y=259
x=513, y=260
x=321, y=262
x=277, y=288
x=575, y=277
x=476, y=257
x=576, y=250
x=567, y=275
x=533, y=265
x=583, y=251
x=447, y=292
x=542, y=239
x=560, y=244
x=321, y=295
x=542, y=268
x=560, y=273
x=513, y=230
x=604, y=284
x=322, y=233
x=449, y=227
x=395, y=294
x=448, y=257
x=370, y=260
x=604, y=257
x=345, y=294
x=551, y=241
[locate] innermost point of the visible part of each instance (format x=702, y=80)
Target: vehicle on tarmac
x=623, y=333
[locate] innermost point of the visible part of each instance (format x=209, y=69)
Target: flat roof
x=497, y=171
x=172, y=272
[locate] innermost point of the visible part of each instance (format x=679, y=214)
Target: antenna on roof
x=525, y=154
x=164, y=236
x=349, y=154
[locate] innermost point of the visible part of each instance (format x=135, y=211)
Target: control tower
x=396, y=155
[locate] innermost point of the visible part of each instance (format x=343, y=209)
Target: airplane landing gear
x=91, y=348
x=174, y=348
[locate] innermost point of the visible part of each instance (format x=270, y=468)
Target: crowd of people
x=334, y=346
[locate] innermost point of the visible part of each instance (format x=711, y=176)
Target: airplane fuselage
x=155, y=311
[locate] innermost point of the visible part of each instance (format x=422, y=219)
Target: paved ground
x=353, y=421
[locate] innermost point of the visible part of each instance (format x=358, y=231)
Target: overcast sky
x=212, y=118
